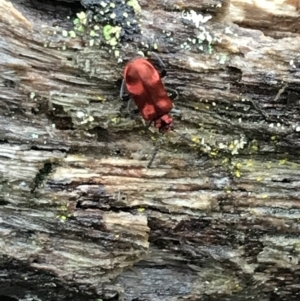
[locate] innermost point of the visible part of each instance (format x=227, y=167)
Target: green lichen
x=63, y=213
x=135, y=5
x=72, y=34
x=63, y=208
x=82, y=18
x=237, y=173
x=115, y=120
x=237, y=170
x=250, y=163
x=112, y=34
x=282, y=161
x=253, y=147
x=101, y=98
x=238, y=165
x=108, y=22
x=62, y=218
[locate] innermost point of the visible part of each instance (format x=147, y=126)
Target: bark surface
x=81, y=216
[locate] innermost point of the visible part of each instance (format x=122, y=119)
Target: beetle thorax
x=139, y=73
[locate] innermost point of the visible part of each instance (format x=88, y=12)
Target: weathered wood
x=82, y=218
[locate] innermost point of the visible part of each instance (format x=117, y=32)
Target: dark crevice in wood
x=3, y=202
x=7, y=298
x=42, y=175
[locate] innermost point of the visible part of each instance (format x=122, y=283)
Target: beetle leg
x=131, y=112
x=182, y=136
x=173, y=92
x=175, y=112
x=122, y=89
x=162, y=65
x=123, y=96
x=128, y=107
x=163, y=72
x=148, y=125
x=156, y=149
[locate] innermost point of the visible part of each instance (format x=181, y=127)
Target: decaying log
x=82, y=218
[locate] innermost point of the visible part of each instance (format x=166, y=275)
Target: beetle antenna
x=159, y=59
x=159, y=142
x=182, y=136
x=156, y=149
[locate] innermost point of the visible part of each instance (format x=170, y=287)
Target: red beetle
x=144, y=84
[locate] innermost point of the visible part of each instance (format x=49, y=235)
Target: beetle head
x=164, y=123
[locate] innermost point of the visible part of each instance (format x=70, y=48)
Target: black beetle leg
x=123, y=95
x=131, y=112
x=163, y=72
x=175, y=112
x=161, y=63
x=148, y=125
x=172, y=93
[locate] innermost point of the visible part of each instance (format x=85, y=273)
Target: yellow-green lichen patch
x=237, y=170
x=227, y=190
x=80, y=22
x=63, y=213
x=108, y=21
x=282, y=161
x=238, y=165
x=135, y=5
x=274, y=138
x=63, y=208
x=111, y=34
x=253, y=147
x=195, y=139
x=237, y=173
x=225, y=161
x=250, y=163
x=72, y=34
x=213, y=153
x=115, y=120
x=62, y=218
x=101, y=98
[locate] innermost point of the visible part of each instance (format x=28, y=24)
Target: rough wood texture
x=82, y=218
